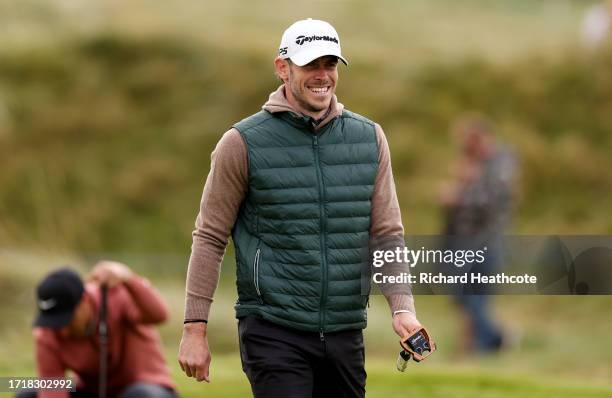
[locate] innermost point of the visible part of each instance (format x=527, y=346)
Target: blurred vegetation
x=106, y=140
x=110, y=139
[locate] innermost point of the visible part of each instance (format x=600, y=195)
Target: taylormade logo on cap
x=309, y=39
x=301, y=39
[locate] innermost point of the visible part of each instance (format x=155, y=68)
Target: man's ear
x=282, y=69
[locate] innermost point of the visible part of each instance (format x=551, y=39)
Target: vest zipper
x=256, y=273
x=315, y=147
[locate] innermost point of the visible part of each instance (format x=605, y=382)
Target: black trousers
x=288, y=363
x=135, y=390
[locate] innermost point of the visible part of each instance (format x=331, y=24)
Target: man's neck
x=317, y=116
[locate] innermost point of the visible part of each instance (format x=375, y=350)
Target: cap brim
x=307, y=56
x=54, y=321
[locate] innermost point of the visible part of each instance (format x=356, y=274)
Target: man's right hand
x=194, y=354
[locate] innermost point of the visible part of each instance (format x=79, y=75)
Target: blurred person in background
x=477, y=205
x=300, y=186
x=66, y=334
x=597, y=25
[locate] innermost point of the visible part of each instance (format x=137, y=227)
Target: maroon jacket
x=134, y=348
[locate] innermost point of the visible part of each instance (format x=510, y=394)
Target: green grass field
x=383, y=380
x=539, y=363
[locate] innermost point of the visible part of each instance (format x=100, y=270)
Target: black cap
x=57, y=297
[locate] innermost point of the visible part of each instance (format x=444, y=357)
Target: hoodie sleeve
x=224, y=191
x=142, y=303
x=386, y=217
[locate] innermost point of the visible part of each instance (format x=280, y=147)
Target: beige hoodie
x=225, y=189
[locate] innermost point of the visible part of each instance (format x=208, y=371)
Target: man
x=66, y=334
x=477, y=207
x=300, y=186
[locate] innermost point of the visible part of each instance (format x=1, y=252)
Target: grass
x=561, y=346
x=421, y=380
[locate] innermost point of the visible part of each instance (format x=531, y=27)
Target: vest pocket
x=256, y=272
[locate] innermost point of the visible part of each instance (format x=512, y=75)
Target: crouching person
x=68, y=336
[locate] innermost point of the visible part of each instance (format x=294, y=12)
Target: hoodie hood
x=277, y=102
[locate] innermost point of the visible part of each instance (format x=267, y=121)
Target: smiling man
x=300, y=186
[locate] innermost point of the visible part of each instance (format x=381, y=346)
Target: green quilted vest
x=302, y=228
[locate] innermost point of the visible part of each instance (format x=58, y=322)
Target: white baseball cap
x=310, y=39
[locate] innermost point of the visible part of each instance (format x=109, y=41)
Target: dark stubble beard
x=301, y=100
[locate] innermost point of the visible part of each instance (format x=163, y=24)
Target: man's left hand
x=405, y=323
x=110, y=273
